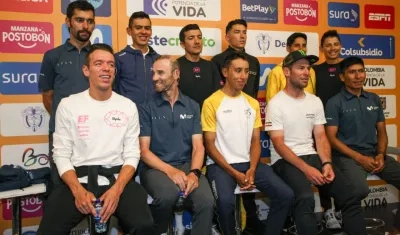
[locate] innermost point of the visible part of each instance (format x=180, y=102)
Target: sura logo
x=301, y=11
x=351, y=15
x=26, y=36
x=20, y=78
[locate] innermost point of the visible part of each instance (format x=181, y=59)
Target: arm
x=257, y=81
x=46, y=82
x=273, y=85
x=382, y=138
x=197, y=141
x=322, y=143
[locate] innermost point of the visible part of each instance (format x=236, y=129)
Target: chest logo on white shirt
x=310, y=116
x=247, y=113
x=116, y=118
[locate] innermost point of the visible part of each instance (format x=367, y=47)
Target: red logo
x=263, y=108
x=196, y=69
x=26, y=37
x=28, y=6
x=300, y=12
x=30, y=207
x=332, y=69
x=116, y=118
x=379, y=16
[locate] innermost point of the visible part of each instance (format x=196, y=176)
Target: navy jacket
x=134, y=77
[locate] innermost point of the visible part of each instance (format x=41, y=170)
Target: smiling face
x=164, y=76
x=237, y=74
x=331, y=48
x=100, y=70
x=140, y=32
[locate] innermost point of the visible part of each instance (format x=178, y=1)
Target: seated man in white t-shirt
x=231, y=123
x=96, y=151
x=293, y=117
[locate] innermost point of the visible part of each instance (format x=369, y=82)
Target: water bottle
x=99, y=227
x=179, y=203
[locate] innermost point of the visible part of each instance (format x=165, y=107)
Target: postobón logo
x=260, y=12
x=19, y=78
x=300, y=12
x=100, y=34
x=23, y=119
x=165, y=40
x=264, y=71
x=388, y=105
x=28, y=6
x=273, y=43
x=31, y=206
x=367, y=46
x=379, y=16
x=26, y=37
x=102, y=7
x=343, y=14
x=172, y=9
x=380, y=77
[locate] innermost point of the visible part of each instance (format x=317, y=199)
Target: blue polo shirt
x=61, y=71
x=356, y=118
x=170, y=128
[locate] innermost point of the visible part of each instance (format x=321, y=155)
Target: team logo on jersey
x=196, y=69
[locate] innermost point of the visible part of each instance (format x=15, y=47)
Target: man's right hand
x=179, y=177
x=84, y=201
x=368, y=163
x=241, y=180
x=314, y=176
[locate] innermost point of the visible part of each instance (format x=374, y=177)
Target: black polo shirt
x=356, y=118
x=61, y=71
x=170, y=128
x=327, y=81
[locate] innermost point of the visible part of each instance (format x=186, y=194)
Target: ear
x=128, y=31
x=182, y=45
x=288, y=49
x=177, y=74
x=67, y=22
x=341, y=76
x=286, y=71
x=85, y=70
x=225, y=72
x=227, y=37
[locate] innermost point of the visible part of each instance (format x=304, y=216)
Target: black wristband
x=326, y=163
x=197, y=172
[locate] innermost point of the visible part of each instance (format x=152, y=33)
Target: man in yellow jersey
x=276, y=78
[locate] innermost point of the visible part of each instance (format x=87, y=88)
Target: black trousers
x=133, y=213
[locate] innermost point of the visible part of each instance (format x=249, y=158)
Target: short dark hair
x=290, y=40
x=138, y=15
x=235, y=22
x=96, y=47
x=82, y=5
x=329, y=34
x=187, y=28
x=346, y=63
x=234, y=56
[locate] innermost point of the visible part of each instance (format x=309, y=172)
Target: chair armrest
x=393, y=150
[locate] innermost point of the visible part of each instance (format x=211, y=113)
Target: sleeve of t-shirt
x=144, y=119
x=320, y=114
x=332, y=113
x=47, y=74
x=258, y=122
x=197, y=120
x=208, y=117
x=273, y=117
x=131, y=152
x=381, y=114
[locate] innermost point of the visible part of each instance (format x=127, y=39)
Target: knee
x=286, y=196
x=305, y=198
x=206, y=202
x=361, y=191
x=226, y=200
x=167, y=197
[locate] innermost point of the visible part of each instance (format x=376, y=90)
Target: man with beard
x=133, y=75
x=61, y=71
x=171, y=144
x=199, y=78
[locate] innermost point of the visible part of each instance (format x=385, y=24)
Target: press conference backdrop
x=31, y=27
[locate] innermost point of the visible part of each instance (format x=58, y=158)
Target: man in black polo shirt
x=356, y=130
x=171, y=143
x=236, y=35
x=61, y=72
x=199, y=78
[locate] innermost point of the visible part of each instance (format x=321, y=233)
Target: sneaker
x=330, y=220
x=338, y=215
x=179, y=231
x=214, y=230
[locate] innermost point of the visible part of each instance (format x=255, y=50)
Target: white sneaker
x=330, y=220
x=338, y=215
x=179, y=231
x=214, y=230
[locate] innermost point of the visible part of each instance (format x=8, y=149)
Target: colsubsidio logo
x=343, y=14
x=368, y=46
x=19, y=78
x=100, y=34
x=265, y=69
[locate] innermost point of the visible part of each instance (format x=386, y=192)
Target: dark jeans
x=304, y=204
x=223, y=186
x=165, y=194
x=133, y=213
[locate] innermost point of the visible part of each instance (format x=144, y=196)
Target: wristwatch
x=197, y=172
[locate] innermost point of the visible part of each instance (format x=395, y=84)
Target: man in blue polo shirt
x=171, y=144
x=356, y=130
x=61, y=71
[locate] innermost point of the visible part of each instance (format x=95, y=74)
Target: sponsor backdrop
x=31, y=27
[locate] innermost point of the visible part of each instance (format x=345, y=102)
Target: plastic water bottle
x=179, y=203
x=99, y=227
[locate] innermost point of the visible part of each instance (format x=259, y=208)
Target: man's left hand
x=249, y=180
x=328, y=173
x=192, y=184
x=110, y=201
x=380, y=163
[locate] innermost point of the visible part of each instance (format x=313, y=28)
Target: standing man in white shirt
x=96, y=151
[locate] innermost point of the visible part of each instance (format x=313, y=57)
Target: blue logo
x=259, y=11
x=19, y=78
x=367, y=46
x=265, y=142
x=155, y=7
x=100, y=34
x=264, y=71
x=343, y=14
x=102, y=7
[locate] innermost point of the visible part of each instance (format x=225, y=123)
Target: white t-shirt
x=92, y=132
x=233, y=119
x=297, y=118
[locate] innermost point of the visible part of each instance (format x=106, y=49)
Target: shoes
x=331, y=221
x=179, y=232
x=214, y=230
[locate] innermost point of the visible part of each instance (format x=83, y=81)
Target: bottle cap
x=181, y=193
